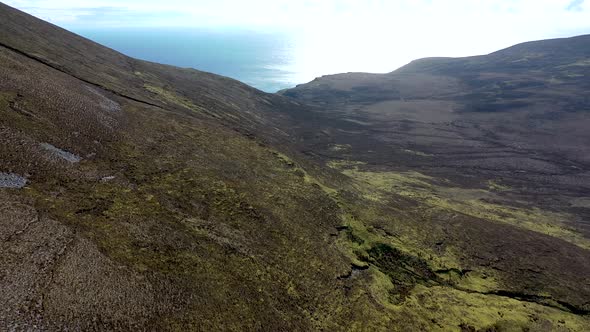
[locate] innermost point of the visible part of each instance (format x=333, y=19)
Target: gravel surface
x=11, y=180
x=68, y=156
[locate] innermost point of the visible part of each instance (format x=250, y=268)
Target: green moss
x=444, y=306
x=341, y=164
x=405, y=265
x=482, y=280
x=173, y=98
x=379, y=186
x=439, y=307
x=177, y=211
x=366, y=237
x=405, y=271
x=495, y=186
x=353, y=237
x=306, y=176
x=432, y=288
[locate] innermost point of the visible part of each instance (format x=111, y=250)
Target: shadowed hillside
x=139, y=196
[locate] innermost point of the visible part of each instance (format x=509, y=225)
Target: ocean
x=263, y=60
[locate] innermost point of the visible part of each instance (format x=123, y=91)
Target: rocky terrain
x=451, y=194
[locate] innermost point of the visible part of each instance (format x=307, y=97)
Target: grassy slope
x=516, y=117
x=192, y=218
x=225, y=232
x=488, y=154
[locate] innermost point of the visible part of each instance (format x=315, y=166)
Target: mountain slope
x=138, y=196
x=518, y=115
x=489, y=136
x=143, y=210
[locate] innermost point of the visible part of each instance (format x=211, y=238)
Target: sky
x=342, y=35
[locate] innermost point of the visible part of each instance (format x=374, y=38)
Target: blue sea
x=264, y=60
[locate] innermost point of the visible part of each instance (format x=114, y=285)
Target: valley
x=451, y=194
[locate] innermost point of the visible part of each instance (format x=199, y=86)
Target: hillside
x=139, y=196
x=518, y=116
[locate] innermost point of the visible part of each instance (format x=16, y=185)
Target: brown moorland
x=448, y=195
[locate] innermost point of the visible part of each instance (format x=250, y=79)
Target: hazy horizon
x=264, y=61
x=326, y=37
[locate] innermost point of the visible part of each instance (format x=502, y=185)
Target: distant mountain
x=521, y=114
x=525, y=69
x=450, y=194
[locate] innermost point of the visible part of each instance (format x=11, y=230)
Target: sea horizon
x=264, y=60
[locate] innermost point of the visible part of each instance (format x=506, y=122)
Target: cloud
x=576, y=5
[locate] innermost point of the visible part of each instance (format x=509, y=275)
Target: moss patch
x=379, y=186
x=485, y=312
